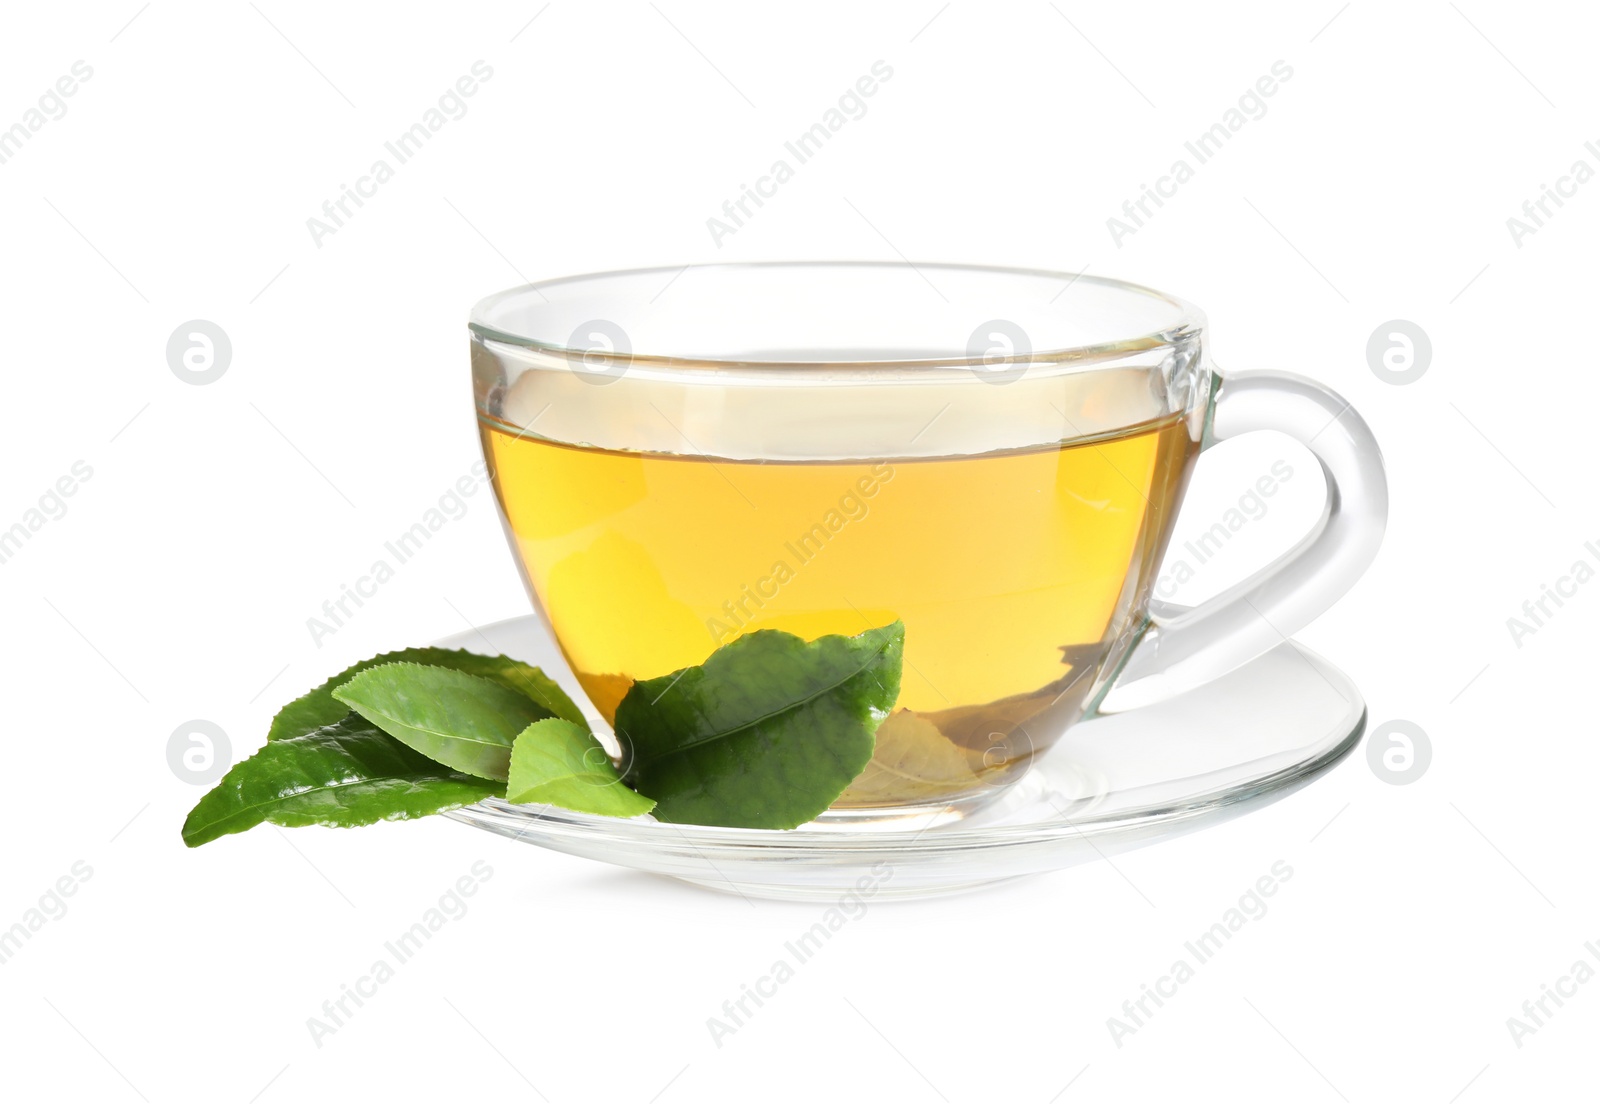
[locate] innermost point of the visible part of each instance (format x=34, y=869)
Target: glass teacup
x=995, y=457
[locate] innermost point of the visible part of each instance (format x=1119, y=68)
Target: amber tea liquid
x=1013, y=572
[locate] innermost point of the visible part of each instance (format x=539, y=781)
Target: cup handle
x=1184, y=647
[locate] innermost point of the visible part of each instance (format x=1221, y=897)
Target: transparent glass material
x=995, y=457
x=1114, y=783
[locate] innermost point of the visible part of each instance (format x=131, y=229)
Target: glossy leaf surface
x=347, y=774
x=766, y=733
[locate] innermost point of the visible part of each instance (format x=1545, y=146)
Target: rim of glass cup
x=1189, y=321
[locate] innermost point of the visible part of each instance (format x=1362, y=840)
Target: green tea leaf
x=527, y=679
x=558, y=763
x=347, y=774
x=318, y=707
x=466, y=722
x=767, y=733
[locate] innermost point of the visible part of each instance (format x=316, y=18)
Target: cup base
x=1112, y=783
x=914, y=816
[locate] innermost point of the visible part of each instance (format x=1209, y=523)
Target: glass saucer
x=1113, y=783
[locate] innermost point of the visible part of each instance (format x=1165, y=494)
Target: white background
x=218, y=519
